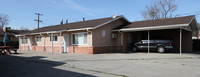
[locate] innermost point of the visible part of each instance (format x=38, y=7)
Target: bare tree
x=152, y=12
x=168, y=7
x=4, y=19
x=159, y=9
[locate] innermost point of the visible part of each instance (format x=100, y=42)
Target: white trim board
x=48, y=32
x=154, y=27
x=79, y=29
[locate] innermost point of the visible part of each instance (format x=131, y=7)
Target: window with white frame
x=80, y=38
x=38, y=38
x=24, y=40
x=55, y=37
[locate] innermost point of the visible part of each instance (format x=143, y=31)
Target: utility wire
x=193, y=13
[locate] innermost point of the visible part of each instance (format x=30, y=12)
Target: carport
x=180, y=30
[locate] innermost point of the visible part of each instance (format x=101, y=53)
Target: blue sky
x=21, y=12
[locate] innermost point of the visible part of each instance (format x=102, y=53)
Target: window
x=24, y=40
x=103, y=33
x=38, y=38
x=55, y=37
x=80, y=38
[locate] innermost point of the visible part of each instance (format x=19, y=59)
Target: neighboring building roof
x=160, y=22
x=75, y=25
x=18, y=31
x=13, y=32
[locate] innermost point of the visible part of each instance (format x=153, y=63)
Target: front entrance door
x=66, y=42
x=30, y=43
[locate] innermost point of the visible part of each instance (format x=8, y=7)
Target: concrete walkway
x=110, y=65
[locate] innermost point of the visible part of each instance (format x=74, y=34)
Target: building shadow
x=14, y=66
x=195, y=53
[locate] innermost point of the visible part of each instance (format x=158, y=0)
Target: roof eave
x=153, y=28
x=197, y=27
x=121, y=16
x=49, y=32
x=80, y=29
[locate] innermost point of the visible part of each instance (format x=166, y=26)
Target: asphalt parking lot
x=45, y=64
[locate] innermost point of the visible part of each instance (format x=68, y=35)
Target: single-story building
x=112, y=34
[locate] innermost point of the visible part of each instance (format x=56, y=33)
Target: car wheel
x=161, y=49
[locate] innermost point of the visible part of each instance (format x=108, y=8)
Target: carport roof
x=159, y=22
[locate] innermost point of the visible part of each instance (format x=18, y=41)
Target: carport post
x=44, y=43
x=52, y=43
x=180, y=41
x=148, y=40
x=24, y=42
x=19, y=43
x=60, y=42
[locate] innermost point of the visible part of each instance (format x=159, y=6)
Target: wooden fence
x=196, y=45
x=14, y=44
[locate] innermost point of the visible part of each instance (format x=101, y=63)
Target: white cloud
x=78, y=7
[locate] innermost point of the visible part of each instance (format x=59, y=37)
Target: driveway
x=45, y=64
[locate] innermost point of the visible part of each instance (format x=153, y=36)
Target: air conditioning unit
x=114, y=35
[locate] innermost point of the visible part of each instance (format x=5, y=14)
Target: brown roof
x=75, y=25
x=13, y=32
x=18, y=31
x=159, y=22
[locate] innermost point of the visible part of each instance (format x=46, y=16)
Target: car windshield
x=144, y=41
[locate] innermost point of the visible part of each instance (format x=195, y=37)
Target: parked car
x=154, y=45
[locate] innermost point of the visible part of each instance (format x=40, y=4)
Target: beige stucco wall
x=99, y=40
x=45, y=41
x=95, y=38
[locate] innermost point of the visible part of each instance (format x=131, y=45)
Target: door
x=129, y=40
x=66, y=42
x=30, y=43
